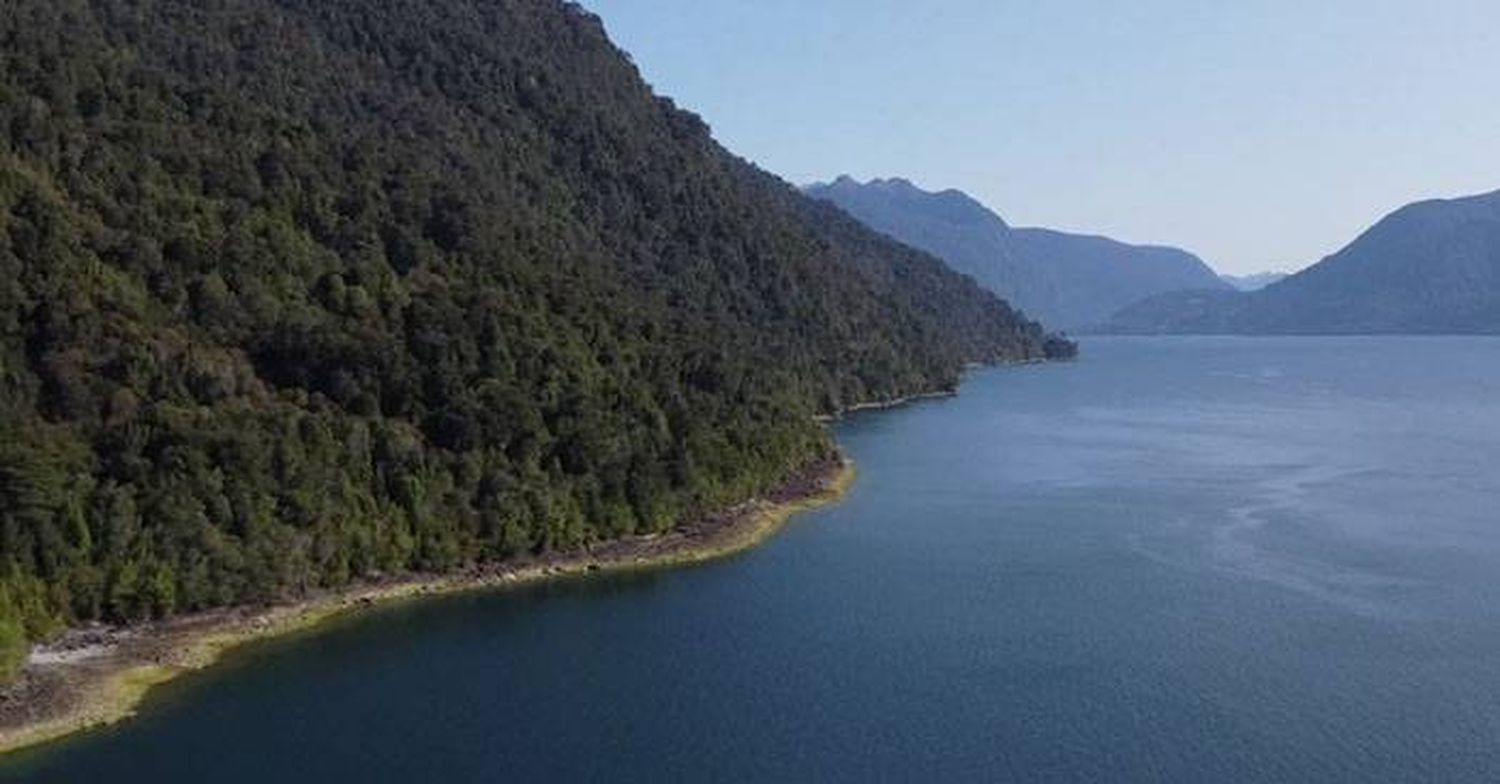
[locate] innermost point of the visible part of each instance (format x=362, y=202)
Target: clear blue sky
x=1263, y=135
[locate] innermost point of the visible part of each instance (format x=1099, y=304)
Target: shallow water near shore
x=1179, y=559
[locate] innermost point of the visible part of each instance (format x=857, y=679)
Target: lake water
x=1174, y=560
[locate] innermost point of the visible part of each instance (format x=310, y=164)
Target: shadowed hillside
x=1067, y=281
x=1429, y=267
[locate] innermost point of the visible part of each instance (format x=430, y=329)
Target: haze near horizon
x=1260, y=138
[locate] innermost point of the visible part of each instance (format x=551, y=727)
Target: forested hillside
x=296, y=292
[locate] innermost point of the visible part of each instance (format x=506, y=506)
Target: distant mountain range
x=1429, y=267
x=1255, y=281
x=1067, y=281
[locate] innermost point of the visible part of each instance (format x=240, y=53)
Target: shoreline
x=881, y=405
x=95, y=676
x=917, y=397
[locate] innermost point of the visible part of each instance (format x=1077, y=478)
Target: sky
x=1261, y=135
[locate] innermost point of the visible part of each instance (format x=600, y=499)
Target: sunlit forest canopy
x=299, y=292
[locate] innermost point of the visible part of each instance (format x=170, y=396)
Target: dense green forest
x=298, y=292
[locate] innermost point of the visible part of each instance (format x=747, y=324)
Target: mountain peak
x=847, y=181
x=952, y=205
x=1431, y=266
x=1069, y=281
x=897, y=184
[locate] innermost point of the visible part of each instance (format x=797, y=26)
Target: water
x=1175, y=560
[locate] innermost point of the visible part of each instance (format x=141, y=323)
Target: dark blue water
x=1175, y=560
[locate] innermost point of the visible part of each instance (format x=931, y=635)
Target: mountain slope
x=1429, y=267
x=295, y=292
x=1067, y=281
x=1254, y=281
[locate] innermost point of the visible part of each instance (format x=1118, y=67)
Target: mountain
x=299, y=292
x=1254, y=281
x=1429, y=267
x=1066, y=281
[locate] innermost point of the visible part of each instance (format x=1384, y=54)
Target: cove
x=1179, y=559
